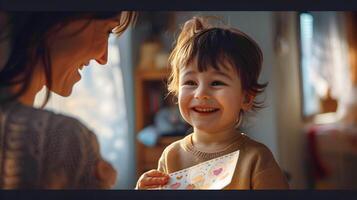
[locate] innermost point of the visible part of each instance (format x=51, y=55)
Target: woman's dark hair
x=28, y=32
x=206, y=45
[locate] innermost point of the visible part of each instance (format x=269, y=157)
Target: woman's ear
x=248, y=101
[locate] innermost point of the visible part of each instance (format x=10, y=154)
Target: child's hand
x=152, y=179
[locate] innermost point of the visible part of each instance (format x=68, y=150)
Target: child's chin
x=205, y=128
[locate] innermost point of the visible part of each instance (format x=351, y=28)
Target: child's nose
x=202, y=93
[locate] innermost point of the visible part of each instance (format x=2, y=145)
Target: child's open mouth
x=205, y=110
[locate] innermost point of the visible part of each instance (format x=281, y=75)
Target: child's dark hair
x=209, y=46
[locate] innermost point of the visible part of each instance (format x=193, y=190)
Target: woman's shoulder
x=41, y=119
x=51, y=141
x=45, y=125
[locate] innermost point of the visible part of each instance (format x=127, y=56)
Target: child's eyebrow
x=186, y=73
x=223, y=74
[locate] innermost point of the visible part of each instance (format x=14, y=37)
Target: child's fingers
x=157, y=180
x=155, y=173
x=154, y=187
x=150, y=181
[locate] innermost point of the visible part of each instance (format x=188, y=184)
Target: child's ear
x=248, y=101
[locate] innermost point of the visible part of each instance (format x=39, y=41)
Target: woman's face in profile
x=74, y=46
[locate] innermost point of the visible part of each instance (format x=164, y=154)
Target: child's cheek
x=184, y=106
x=184, y=111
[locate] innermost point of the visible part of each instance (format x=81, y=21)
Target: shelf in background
x=152, y=74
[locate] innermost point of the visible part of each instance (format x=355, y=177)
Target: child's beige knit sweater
x=256, y=167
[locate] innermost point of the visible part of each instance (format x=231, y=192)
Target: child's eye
x=189, y=83
x=217, y=83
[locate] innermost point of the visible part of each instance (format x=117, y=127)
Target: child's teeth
x=205, y=109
